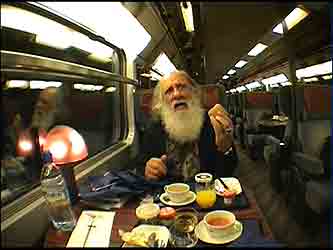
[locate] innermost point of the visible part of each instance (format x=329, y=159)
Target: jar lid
x=203, y=177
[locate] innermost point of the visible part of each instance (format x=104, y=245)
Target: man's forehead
x=173, y=80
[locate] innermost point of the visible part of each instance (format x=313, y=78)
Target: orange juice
x=206, y=198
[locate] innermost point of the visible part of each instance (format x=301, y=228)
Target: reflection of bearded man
x=45, y=109
x=42, y=119
x=183, y=125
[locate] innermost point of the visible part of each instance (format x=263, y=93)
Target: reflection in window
x=29, y=113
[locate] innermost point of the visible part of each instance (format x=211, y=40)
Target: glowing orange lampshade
x=65, y=144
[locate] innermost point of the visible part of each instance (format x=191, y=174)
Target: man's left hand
x=223, y=127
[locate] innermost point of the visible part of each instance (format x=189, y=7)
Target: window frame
x=33, y=65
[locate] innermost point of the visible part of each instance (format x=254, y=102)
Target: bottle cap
x=203, y=177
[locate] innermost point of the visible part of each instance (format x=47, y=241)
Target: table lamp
x=66, y=146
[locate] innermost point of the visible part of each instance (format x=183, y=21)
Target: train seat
x=276, y=149
x=308, y=171
x=239, y=119
x=211, y=95
x=257, y=106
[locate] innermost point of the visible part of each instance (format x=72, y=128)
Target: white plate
x=202, y=233
x=162, y=233
x=190, y=199
x=231, y=182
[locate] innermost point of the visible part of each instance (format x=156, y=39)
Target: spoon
x=151, y=241
x=225, y=186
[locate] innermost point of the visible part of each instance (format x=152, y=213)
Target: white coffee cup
x=219, y=222
x=177, y=192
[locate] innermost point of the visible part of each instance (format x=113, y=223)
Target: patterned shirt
x=185, y=160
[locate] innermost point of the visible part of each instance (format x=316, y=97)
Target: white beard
x=183, y=125
x=42, y=120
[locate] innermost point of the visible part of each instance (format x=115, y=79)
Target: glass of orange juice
x=205, y=190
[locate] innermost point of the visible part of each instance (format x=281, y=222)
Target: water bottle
x=56, y=195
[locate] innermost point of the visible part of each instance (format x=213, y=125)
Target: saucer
x=231, y=182
x=202, y=233
x=190, y=199
x=162, y=233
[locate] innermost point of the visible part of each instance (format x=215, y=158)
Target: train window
x=45, y=85
x=90, y=109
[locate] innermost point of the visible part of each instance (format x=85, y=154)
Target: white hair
x=184, y=125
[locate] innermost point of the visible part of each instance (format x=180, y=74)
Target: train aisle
x=255, y=175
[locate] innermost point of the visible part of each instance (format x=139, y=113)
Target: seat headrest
x=145, y=100
x=259, y=100
x=313, y=102
x=210, y=96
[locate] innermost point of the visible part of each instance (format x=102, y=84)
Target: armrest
x=308, y=164
x=317, y=196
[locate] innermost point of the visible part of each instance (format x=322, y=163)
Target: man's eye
x=168, y=92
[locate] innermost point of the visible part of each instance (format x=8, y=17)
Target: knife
x=225, y=186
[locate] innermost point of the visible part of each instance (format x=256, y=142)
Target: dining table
x=247, y=211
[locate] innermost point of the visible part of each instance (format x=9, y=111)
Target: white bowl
x=147, y=211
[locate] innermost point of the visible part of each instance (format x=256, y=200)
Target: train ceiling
x=224, y=33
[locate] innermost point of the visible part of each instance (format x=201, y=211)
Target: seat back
x=211, y=95
x=285, y=107
x=143, y=107
x=257, y=105
x=313, y=110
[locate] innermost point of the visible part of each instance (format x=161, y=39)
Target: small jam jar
x=205, y=190
x=229, y=196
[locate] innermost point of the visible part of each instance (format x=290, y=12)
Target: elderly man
x=45, y=115
x=186, y=139
x=47, y=108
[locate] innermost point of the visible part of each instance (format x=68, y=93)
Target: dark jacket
x=153, y=144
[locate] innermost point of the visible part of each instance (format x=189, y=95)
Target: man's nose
x=177, y=93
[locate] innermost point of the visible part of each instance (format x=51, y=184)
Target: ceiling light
x=253, y=85
x=146, y=75
x=187, y=16
x=291, y=20
x=314, y=70
x=111, y=89
x=88, y=87
x=232, y=71
x=17, y=84
x=286, y=83
x=240, y=89
x=240, y=64
x=44, y=84
x=257, y=49
x=225, y=77
x=275, y=79
x=312, y=79
x=275, y=85
x=327, y=77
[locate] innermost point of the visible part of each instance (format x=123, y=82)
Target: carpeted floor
x=255, y=174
